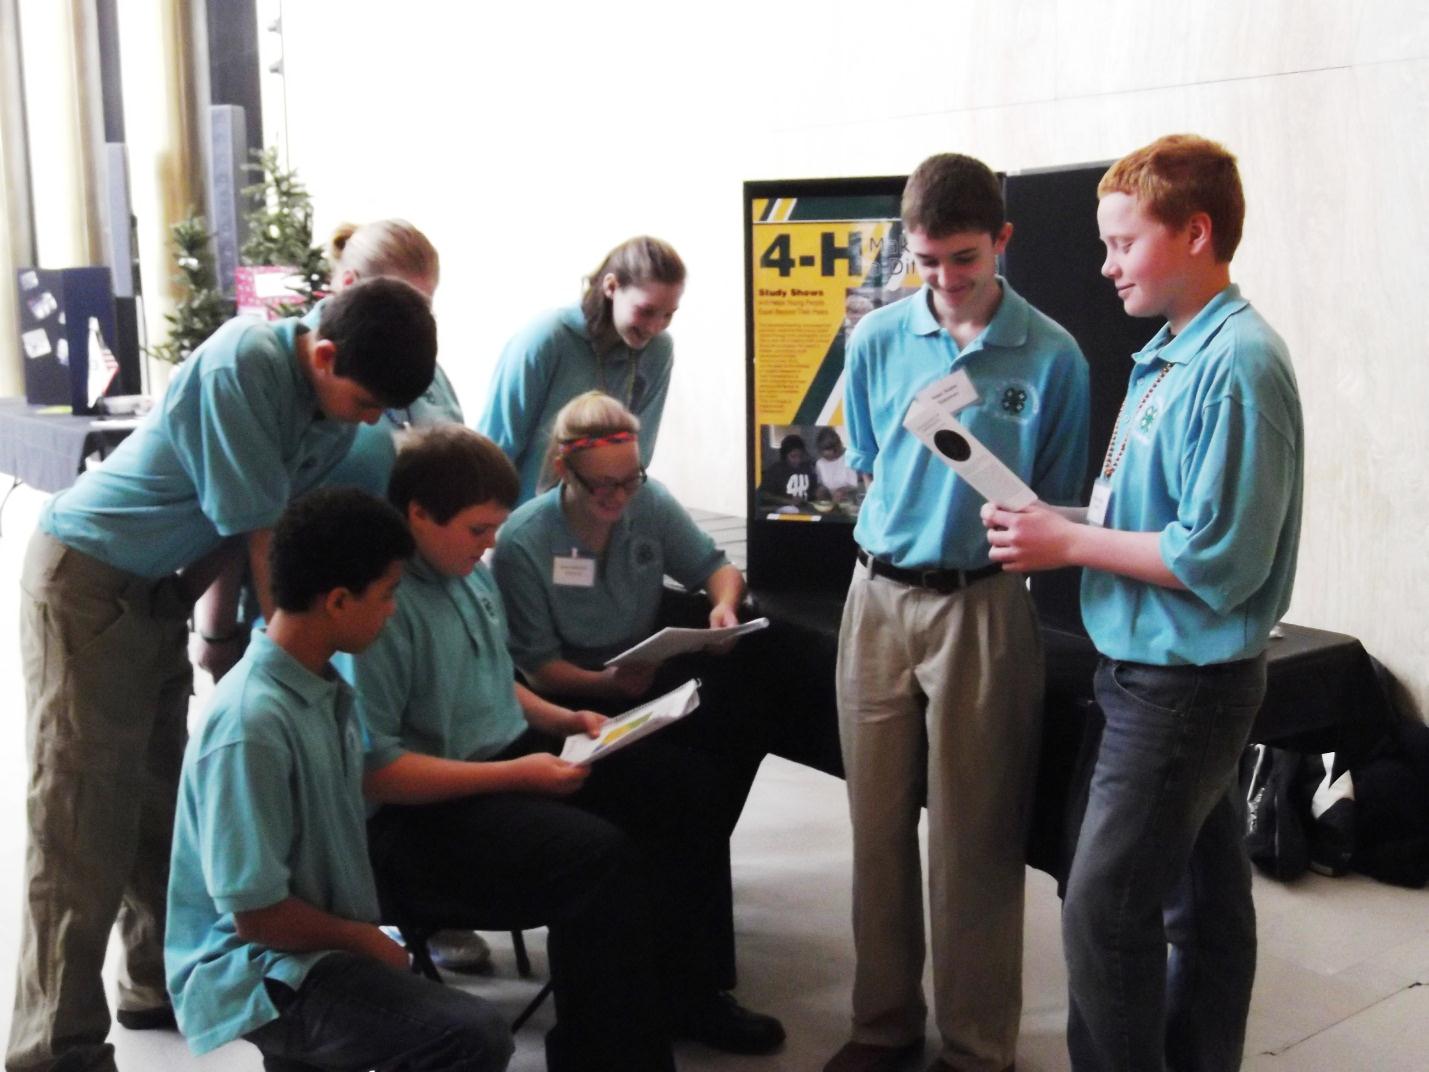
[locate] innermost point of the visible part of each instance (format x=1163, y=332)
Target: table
x=48, y=450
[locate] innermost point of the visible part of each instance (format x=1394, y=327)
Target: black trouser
x=631, y=875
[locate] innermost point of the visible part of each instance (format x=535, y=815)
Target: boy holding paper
x=481, y=826
x=940, y=666
x=1189, y=556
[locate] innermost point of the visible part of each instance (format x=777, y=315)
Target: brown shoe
x=866, y=1057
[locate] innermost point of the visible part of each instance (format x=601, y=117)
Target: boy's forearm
x=1129, y=554
x=541, y=714
x=258, y=544
x=295, y=926
x=414, y=779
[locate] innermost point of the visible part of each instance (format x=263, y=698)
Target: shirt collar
x=287, y=330
x=1007, y=328
x=1179, y=349
x=312, y=689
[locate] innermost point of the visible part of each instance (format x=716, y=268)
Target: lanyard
x=1109, y=463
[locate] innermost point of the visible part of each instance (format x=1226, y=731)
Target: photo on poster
x=805, y=476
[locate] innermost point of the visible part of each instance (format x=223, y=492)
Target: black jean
x=354, y=1013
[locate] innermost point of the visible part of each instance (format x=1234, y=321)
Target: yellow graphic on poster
x=814, y=276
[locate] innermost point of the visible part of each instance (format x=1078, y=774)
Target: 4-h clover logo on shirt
x=644, y=553
x=1014, y=399
x=1148, y=418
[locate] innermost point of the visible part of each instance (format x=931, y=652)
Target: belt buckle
x=941, y=580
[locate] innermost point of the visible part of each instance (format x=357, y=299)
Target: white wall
x=526, y=142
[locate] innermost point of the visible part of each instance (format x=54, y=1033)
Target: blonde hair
x=1177, y=176
x=592, y=414
x=387, y=247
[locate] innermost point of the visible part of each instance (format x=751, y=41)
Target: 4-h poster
x=820, y=262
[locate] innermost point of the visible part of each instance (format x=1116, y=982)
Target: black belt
x=937, y=580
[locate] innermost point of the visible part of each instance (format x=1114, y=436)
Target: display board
x=819, y=255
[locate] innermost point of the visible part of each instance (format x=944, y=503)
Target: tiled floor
x=1341, y=960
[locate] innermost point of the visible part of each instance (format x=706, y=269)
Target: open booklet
x=673, y=640
x=634, y=724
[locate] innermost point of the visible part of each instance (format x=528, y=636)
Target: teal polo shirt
x=655, y=536
x=270, y=807
x=438, y=680
x=1032, y=412
x=1215, y=464
x=237, y=435
x=550, y=362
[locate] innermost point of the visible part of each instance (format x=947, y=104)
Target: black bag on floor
x=1275, y=835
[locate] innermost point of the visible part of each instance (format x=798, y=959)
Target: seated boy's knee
x=482, y=1040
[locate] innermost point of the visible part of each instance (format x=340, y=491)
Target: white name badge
x=950, y=394
x=1101, y=498
x=572, y=571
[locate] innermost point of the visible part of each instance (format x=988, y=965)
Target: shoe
x=722, y=1023
x=464, y=952
x=939, y=1065
x=867, y=1057
x=160, y=1018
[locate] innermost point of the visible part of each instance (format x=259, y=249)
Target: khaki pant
x=107, y=682
x=940, y=695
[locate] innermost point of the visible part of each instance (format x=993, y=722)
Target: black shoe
x=722, y=1023
x=160, y=1018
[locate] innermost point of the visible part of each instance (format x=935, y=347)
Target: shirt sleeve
x=526, y=596
x=690, y=553
x=246, y=824
x=652, y=401
x=862, y=446
x=518, y=391
x=1061, y=463
x=1241, y=482
x=231, y=447
x=382, y=678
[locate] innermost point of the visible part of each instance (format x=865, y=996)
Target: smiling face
x=600, y=481
x=640, y=311
x=1149, y=263
x=454, y=549
x=960, y=270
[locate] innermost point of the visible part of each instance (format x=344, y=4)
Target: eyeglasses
x=606, y=488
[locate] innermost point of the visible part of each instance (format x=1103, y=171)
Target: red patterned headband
x=580, y=443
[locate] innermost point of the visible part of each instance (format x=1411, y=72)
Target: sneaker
x=722, y=1023
x=159, y=1018
x=868, y=1057
x=465, y=952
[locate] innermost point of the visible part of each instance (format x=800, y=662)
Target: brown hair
x=1177, y=176
x=949, y=193
x=448, y=467
x=636, y=261
x=386, y=247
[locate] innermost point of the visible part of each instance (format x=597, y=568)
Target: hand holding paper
x=672, y=641
x=636, y=723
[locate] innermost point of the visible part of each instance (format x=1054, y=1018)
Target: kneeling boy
x=272, y=906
